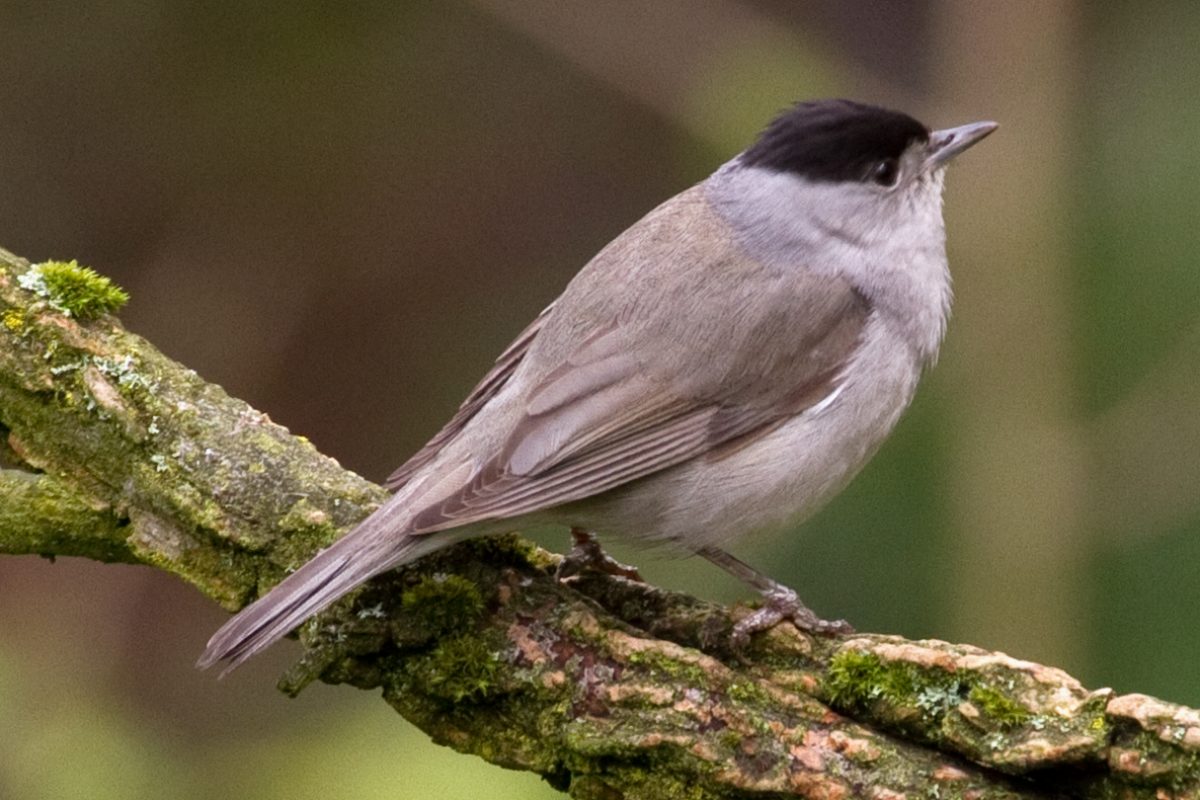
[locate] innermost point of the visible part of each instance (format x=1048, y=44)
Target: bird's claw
x=588, y=556
x=779, y=604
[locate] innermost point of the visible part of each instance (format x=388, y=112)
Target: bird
x=722, y=367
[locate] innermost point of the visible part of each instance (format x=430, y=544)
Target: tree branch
x=607, y=688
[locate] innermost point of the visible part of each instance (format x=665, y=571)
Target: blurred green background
x=343, y=211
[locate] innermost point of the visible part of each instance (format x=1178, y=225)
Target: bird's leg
x=779, y=602
x=587, y=554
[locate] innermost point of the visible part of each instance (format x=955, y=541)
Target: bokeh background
x=343, y=211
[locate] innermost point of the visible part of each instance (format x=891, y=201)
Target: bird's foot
x=780, y=603
x=588, y=556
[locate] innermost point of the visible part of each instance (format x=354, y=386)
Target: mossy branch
x=609, y=689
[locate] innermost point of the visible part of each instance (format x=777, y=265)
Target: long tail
x=358, y=556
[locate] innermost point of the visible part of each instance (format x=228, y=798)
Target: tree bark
x=608, y=688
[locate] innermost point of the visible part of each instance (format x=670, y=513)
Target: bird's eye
x=885, y=172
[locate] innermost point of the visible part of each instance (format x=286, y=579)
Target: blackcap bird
x=724, y=366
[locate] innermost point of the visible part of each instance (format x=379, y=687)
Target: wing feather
x=615, y=389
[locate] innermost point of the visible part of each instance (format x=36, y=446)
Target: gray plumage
x=723, y=366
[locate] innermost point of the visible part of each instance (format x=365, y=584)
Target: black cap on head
x=833, y=140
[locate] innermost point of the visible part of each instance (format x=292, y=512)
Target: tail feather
x=330, y=574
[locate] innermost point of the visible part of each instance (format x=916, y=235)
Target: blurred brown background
x=343, y=212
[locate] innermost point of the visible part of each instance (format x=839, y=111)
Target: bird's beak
x=949, y=142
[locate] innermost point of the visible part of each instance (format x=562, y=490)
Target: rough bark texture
x=609, y=689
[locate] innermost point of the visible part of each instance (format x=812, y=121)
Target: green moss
x=856, y=678
x=748, y=693
x=76, y=291
x=1164, y=763
x=662, y=665
x=998, y=707
x=461, y=668
x=307, y=529
x=443, y=602
x=509, y=549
